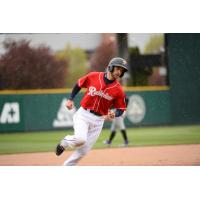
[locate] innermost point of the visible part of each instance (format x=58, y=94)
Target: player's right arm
x=69, y=104
x=81, y=83
x=70, y=101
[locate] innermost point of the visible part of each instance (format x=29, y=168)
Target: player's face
x=117, y=72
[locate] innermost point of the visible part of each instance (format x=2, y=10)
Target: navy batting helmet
x=118, y=62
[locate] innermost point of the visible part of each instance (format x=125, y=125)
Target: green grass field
x=144, y=136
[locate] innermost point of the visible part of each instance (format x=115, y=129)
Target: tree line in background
x=26, y=67
x=23, y=66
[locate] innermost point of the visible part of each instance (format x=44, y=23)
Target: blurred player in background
x=103, y=91
x=118, y=123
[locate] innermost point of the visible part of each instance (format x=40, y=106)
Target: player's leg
x=124, y=134
x=112, y=132
x=79, y=153
x=75, y=156
x=123, y=131
x=112, y=135
x=78, y=139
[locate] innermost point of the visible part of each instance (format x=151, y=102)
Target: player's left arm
x=119, y=112
x=120, y=105
x=110, y=116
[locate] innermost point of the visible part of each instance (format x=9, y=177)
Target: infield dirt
x=176, y=155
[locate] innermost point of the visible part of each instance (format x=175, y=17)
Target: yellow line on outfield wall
x=67, y=90
x=36, y=91
x=146, y=88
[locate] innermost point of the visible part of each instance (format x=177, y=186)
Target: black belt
x=93, y=112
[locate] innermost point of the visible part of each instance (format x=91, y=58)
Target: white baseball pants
x=87, y=128
x=118, y=122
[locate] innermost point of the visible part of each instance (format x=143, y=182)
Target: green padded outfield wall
x=184, y=70
x=46, y=111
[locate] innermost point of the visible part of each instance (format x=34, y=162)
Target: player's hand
x=69, y=104
x=110, y=116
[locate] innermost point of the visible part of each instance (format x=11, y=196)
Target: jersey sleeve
x=126, y=100
x=119, y=102
x=83, y=81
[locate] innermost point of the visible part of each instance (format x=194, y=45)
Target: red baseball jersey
x=99, y=96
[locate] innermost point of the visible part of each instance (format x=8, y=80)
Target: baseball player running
x=103, y=91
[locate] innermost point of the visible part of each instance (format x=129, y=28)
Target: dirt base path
x=177, y=155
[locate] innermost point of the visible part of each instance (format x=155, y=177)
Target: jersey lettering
x=93, y=92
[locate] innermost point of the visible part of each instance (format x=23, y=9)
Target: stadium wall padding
x=38, y=112
x=184, y=72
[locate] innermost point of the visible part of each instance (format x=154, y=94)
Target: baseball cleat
x=124, y=145
x=106, y=142
x=59, y=150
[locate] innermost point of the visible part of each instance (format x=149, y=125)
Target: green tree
x=77, y=60
x=155, y=44
x=106, y=50
x=25, y=67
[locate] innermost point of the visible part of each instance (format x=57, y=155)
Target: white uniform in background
x=118, y=123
